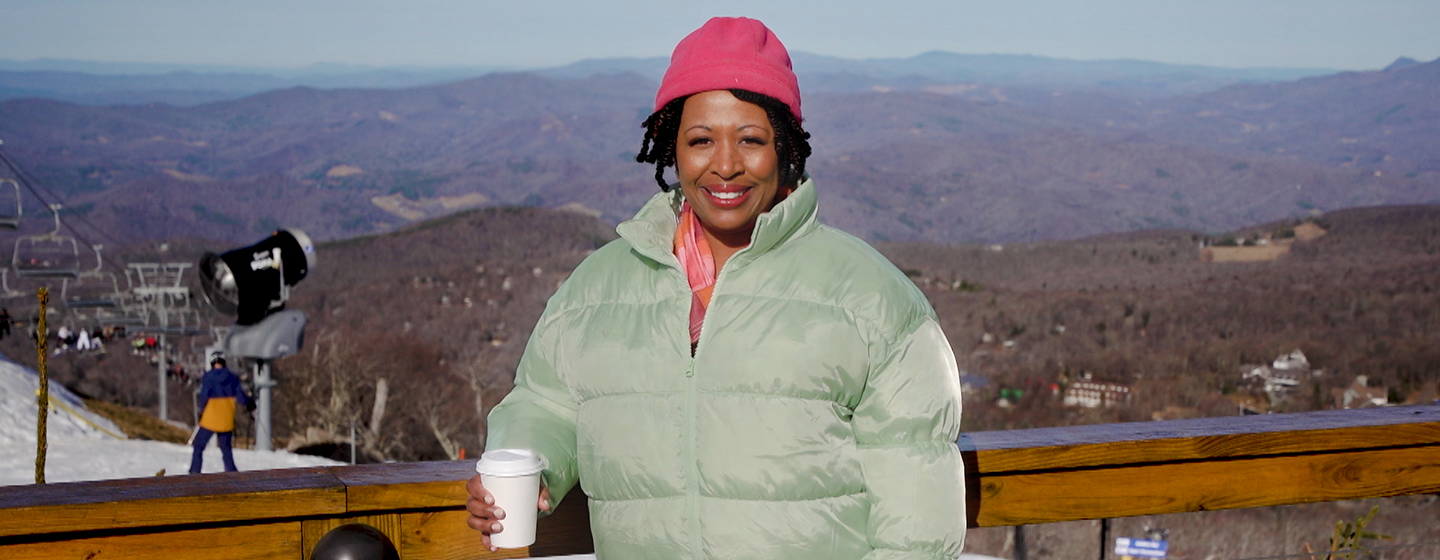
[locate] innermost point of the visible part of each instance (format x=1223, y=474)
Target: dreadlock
x=662, y=129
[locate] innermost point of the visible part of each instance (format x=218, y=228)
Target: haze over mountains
x=95, y=83
x=939, y=147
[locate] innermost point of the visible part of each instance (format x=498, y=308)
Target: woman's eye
x=698, y=141
x=754, y=140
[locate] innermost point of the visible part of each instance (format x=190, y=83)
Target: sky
x=1332, y=34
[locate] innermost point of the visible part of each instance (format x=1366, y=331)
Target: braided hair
x=662, y=129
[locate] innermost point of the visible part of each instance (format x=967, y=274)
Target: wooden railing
x=1015, y=477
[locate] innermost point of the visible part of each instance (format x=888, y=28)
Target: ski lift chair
x=8, y=292
x=192, y=323
x=90, y=298
x=9, y=219
x=49, y=255
x=118, y=317
x=179, y=325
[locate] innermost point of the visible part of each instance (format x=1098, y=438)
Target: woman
x=730, y=378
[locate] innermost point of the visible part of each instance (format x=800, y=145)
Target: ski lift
x=8, y=292
x=50, y=255
x=8, y=219
x=182, y=323
x=90, y=298
x=118, y=317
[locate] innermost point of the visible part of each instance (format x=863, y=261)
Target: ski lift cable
x=33, y=185
x=27, y=180
x=53, y=239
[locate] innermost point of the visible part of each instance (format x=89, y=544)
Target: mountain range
x=95, y=83
x=996, y=153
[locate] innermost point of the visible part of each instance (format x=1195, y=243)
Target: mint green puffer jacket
x=816, y=420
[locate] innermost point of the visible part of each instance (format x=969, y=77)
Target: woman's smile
x=727, y=196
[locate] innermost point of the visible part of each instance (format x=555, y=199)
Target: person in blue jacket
x=220, y=395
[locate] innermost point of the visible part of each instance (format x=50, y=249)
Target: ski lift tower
x=253, y=283
x=159, y=291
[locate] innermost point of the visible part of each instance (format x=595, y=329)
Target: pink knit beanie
x=731, y=53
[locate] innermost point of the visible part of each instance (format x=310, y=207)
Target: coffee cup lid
x=509, y=462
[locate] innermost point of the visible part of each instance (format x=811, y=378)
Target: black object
x=253, y=282
x=355, y=541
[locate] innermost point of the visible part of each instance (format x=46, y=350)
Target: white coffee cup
x=513, y=477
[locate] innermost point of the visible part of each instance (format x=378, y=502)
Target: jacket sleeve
x=906, y=426
x=539, y=414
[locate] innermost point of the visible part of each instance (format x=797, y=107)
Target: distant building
x=1359, y=395
x=1277, y=384
x=1279, y=379
x=1095, y=394
x=1295, y=360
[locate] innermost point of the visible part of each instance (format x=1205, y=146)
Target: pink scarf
x=699, y=263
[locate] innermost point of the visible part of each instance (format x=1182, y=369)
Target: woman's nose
x=727, y=164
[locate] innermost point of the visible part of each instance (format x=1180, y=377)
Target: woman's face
x=726, y=161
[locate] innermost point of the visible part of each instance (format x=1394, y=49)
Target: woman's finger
x=477, y=490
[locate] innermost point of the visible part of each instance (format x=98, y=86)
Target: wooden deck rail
x=1015, y=477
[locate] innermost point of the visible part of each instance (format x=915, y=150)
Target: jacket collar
x=652, y=231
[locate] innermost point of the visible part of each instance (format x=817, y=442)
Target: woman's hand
x=485, y=516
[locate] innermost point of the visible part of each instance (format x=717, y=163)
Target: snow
x=83, y=445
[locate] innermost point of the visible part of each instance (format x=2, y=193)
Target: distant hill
x=1386, y=121
x=94, y=83
x=829, y=74
x=944, y=163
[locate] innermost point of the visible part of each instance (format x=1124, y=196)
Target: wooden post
x=42, y=400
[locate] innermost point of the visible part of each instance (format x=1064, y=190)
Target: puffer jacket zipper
x=691, y=414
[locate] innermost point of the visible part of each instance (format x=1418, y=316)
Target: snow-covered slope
x=83, y=445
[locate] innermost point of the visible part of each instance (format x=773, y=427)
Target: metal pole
x=1104, y=536
x=160, y=369
x=263, y=383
